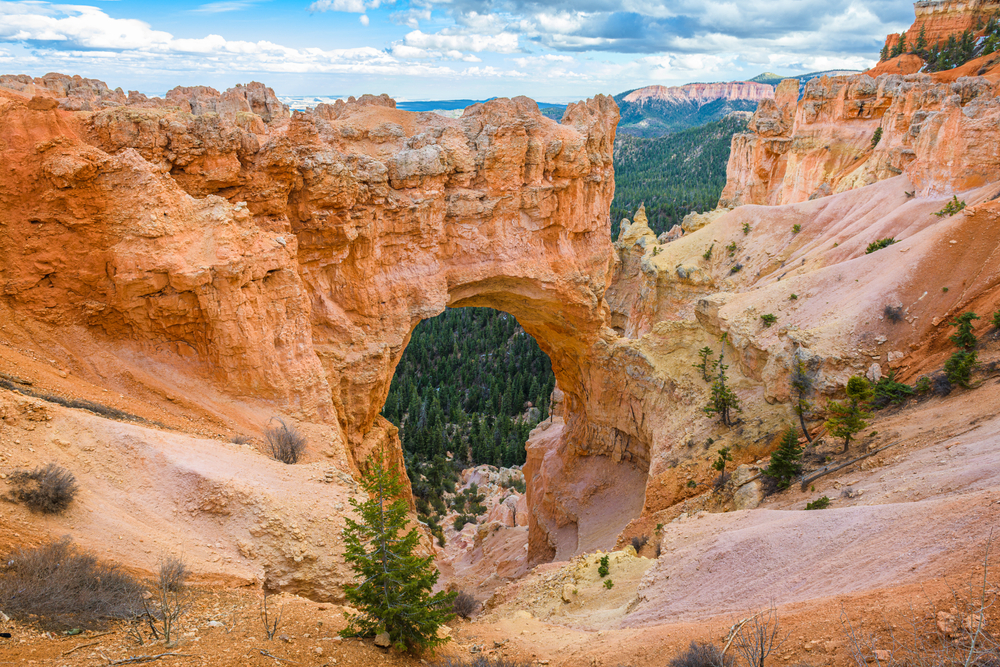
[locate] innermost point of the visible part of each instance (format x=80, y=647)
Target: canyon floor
x=906, y=529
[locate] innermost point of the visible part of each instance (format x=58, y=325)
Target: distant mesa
x=655, y=111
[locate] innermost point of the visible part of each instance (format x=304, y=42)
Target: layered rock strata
x=932, y=131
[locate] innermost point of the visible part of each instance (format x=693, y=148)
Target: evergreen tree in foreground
x=848, y=417
x=785, y=463
x=394, y=595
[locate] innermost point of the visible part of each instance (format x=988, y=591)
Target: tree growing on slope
x=848, y=417
x=802, y=385
x=394, y=594
x=786, y=463
x=959, y=366
x=724, y=400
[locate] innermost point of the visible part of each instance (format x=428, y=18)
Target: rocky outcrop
x=941, y=19
x=283, y=261
x=703, y=93
x=930, y=130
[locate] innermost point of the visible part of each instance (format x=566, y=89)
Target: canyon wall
x=931, y=129
x=282, y=260
x=939, y=19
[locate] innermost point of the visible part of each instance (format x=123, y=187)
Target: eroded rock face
x=931, y=129
x=289, y=257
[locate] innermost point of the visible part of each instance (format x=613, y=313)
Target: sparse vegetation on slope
x=61, y=586
x=49, y=489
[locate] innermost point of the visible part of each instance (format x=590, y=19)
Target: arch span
x=501, y=208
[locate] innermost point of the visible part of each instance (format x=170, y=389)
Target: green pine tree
x=785, y=463
x=394, y=594
x=921, y=44
x=724, y=400
x=848, y=417
x=720, y=463
x=884, y=53
x=900, y=46
x=964, y=338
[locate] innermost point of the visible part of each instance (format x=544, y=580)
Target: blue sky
x=552, y=50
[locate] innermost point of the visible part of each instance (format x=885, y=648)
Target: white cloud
x=220, y=7
x=502, y=43
x=411, y=17
x=351, y=6
x=364, y=19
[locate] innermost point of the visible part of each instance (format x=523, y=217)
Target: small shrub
x=889, y=392
x=167, y=602
x=459, y=523
x=768, y=319
x=731, y=249
x=963, y=338
x=240, y=440
x=951, y=208
x=958, y=368
x=923, y=385
x=659, y=526
x=692, y=484
x=708, y=253
x=877, y=136
x=793, y=296
x=996, y=320
x=602, y=568
x=796, y=228
x=736, y=268
x=284, y=443
x=62, y=586
x=893, y=313
x=878, y=245
x=818, y=504
x=746, y=228
x=465, y=605
x=49, y=489
x=639, y=542
x=609, y=584
x=701, y=655
x=172, y=574
x=941, y=385
x=944, y=289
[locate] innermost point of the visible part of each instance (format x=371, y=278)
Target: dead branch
x=135, y=660
x=271, y=655
x=826, y=470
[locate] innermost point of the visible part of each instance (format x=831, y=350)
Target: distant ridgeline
x=470, y=382
x=673, y=175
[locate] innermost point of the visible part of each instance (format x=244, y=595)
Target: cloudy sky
x=553, y=50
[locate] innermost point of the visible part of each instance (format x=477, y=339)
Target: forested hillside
x=473, y=383
x=657, y=118
x=673, y=175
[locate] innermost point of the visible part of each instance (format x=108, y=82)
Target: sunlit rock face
x=932, y=129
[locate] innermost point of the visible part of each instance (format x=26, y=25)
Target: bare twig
x=271, y=655
x=77, y=648
x=270, y=625
x=733, y=631
x=135, y=660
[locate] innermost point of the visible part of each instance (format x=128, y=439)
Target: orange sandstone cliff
x=207, y=260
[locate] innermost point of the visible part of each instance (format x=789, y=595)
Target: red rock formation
x=290, y=258
x=703, y=93
x=940, y=19
x=930, y=131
